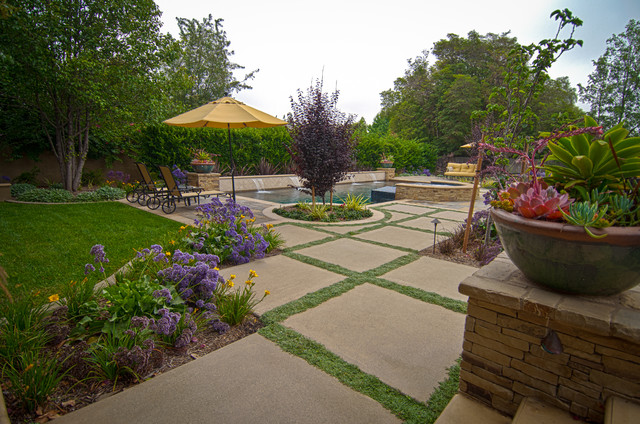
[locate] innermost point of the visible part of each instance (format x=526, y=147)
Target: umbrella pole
x=233, y=165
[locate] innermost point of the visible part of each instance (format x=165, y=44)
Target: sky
x=360, y=47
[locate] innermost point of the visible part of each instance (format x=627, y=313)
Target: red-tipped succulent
x=538, y=201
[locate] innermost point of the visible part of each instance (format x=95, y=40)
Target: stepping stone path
x=364, y=299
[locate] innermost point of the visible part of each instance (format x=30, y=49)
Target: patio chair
x=146, y=188
x=175, y=193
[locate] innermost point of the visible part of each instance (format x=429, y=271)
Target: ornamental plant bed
x=354, y=208
x=168, y=306
x=75, y=392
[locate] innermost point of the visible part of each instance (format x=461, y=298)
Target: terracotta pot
x=203, y=167
x=565, y=258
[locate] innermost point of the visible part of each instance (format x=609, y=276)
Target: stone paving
x=366, y=319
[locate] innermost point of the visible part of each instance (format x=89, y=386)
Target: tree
x=79, y=64
x=613, y=90
x=204, y=58
x=322, y=149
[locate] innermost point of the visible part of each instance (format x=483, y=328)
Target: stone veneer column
x=209, y=181
x=389, y=173
x=502, y=359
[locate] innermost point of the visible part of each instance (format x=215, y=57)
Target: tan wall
x=503, y=361
x=49, y=169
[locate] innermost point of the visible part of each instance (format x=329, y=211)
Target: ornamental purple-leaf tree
x=322, y=148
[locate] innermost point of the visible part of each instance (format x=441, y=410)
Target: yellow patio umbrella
x=226, y=113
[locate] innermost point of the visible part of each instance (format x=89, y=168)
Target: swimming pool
x=292, y=195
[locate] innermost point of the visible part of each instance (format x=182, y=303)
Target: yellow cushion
x=456, y=167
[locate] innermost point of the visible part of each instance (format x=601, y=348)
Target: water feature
x=259, y=185
x=292, y=195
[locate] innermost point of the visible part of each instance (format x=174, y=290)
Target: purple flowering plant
x=227, y=231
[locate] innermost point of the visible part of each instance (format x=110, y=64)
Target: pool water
x=292, y=195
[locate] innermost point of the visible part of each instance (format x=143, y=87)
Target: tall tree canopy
x=434, y=102
x=204, y=59
x=322, y=149
x=76, y=65
x=613, y=90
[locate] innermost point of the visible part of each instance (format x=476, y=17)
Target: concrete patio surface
x=249, y=381
x=352, y=254
x=402, y=237
x=426, y=223
x=406, y=343
x=286, y=279
x=433, y=275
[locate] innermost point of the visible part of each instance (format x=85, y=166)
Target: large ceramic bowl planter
x=565, y=258
x=203, y=167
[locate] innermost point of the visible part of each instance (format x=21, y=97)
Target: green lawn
x=44, y=247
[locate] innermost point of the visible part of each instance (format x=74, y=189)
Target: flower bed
x=162, y=307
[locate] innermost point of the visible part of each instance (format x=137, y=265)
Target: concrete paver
x=402, y=237
x=294, y=235
x=425, y=223
x=433, y=275
x=251, y=380
x=410, y=209
x=406, y=343
x=351, y=254
x=452, y=215
x=344, y=229
x=396, y=216
x=286, y=279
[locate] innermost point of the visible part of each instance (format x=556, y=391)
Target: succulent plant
x=539, y=202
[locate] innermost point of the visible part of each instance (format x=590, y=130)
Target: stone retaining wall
x=271, y=182
x=502, y=359
x=434, y=193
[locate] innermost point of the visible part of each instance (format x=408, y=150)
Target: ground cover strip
x=46, y=246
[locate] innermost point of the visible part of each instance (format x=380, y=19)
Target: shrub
x=110, y=193
x=46, y=195
x=28, y=177
x=234, y=305
x=91, y=178
x=18, y=189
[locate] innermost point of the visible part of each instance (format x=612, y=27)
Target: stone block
x=576, y=343
x=522, y=336
x=498, y=308
x=521, y=326
x=617, y=343
x=535, y=372
x=577, y=312
x=527, y=391
x=581, y=388
x=534, y=319
x=523, y=378
x=492, y=388
x=550, y=366
x=482, y=313
x=606, y=351
x=578, y=363
x=621, y=368
x=626, y=324
x=489, y=376
x=614, y=383
x=582, y=379
x=579, y=410
x=592, y=357
x=502, y=338
x=481, y=362
x=469, y=323
x=467, y=345
x=537, y=351
x=572, y=396
x=491, y=355
x=478, y=339
x=541, y=302
x=508, y=407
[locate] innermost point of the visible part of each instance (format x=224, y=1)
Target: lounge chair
x=175, y=193
x=145, y=189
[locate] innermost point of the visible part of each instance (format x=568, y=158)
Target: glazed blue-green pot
x=565, y=258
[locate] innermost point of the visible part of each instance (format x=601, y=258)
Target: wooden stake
x=476, y=180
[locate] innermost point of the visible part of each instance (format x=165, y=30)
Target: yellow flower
x=172, y=242
x=252, y=274
x=217, y=269
x=232, y=276
x=241, y=216
x=269, y=226
x=230, y=283
x=183, y=228
x=168, y=253
x=267, y=292
x=28, y=367
x=248, y=282
x=54, y=298
x=252, y=220
x=73, y=283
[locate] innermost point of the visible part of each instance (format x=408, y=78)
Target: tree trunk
x=313, y=197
